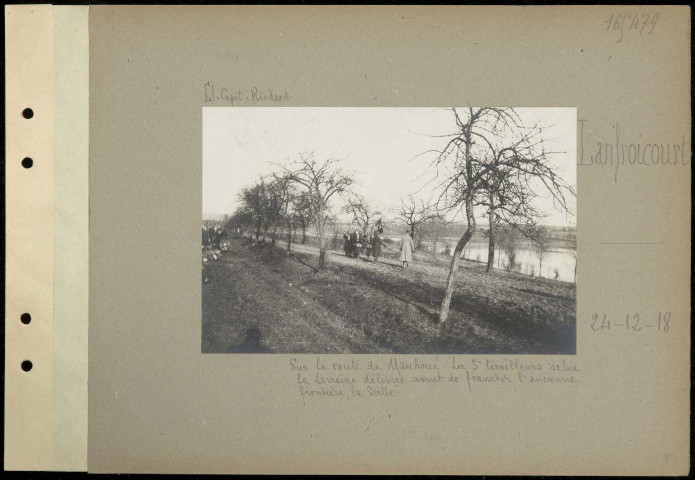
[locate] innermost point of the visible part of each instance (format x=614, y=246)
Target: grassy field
x=263, y=300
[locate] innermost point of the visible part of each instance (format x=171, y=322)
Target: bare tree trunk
x=460, y=245
x=303, y=234
x=321, y=239
x=275, y=232
x=294, y=235
x=575, y=270
x=289, y=237
x=491, y=237
x=289, y=227
x=434, y=243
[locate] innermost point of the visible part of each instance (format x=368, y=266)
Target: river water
x=557, y=264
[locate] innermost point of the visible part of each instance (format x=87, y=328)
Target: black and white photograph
x=447, y=230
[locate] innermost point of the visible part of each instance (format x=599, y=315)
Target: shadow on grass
x=432, y=316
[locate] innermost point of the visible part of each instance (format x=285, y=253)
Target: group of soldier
x=215, y=241
x=358, y=243
x=214, y=237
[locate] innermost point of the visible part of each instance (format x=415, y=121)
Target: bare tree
x=285, y=194
x=516, y=171
x=256, y=204
x=274, y=193
x=435, y=226
x=414, y=213
x=508, y=241
x=471, y=165
x=361, y=211
x=321, y=180
x=541, y=243
x=459, y=187
x=303, y=216
x=265, y=203
x=240, y=220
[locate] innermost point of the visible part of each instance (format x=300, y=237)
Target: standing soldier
x=407, y=248
x=377, y=244
x=355, y=238
x=346, y=244
x=353, y=244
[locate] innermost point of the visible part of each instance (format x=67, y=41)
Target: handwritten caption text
x=322, y=378
x=236, y=96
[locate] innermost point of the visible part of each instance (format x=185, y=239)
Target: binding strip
x=29, y=238
x=47, y=171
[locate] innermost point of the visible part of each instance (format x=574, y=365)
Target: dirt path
x=362, y=307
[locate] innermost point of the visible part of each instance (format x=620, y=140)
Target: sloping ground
x=358, y=306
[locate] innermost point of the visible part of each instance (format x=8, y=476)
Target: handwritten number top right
x=632, y=22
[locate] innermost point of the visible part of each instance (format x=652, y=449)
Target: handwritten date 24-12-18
x=637, y=23
x=632, y=322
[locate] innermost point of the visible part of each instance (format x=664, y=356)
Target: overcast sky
x=380, y=144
